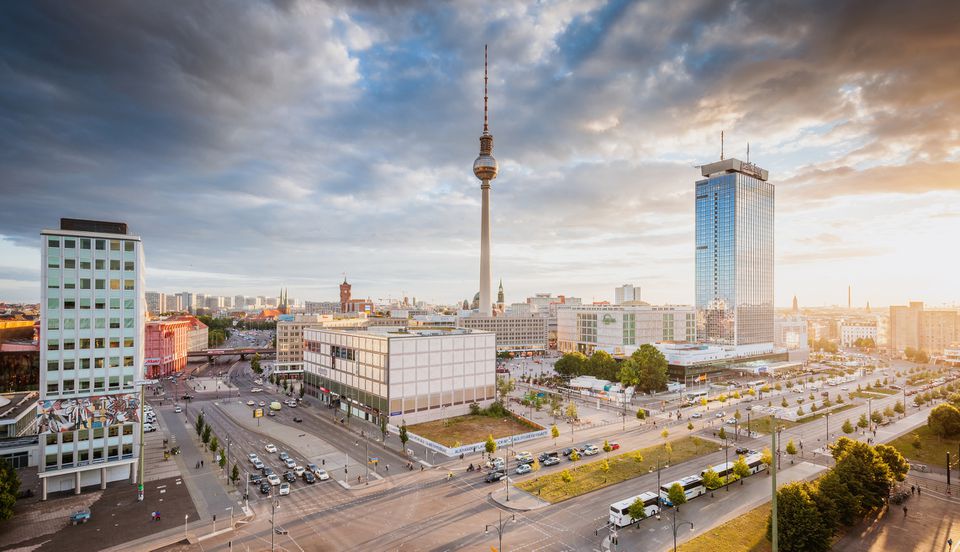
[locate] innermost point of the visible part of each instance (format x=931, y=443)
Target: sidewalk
x=520, y=501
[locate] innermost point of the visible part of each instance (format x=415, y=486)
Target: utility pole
x=773, y=479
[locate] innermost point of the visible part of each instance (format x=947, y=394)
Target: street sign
x=258, y=413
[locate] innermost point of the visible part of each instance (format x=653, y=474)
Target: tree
x=571, y=364
x=601, y=365
x=898, y=407
x=572, y=410
x=711, y=480
x=664, y=434
x=676, y=496
x=235, y=474
x=846, y=505
x=741, y=469
x=214, y=443
x=490, y=445
x=863, y=471
x=255, y=365
x=565, y=476
x=651, y=368
x=722, y=398
x=847, y=427
x=302, y=389
x=784, y=403
x=766, y=456
x=877, y=417
x=637, y=510
x=199, y=424
x=888, y=412
x=628, y=376
x=504, y=387
x=894, y=460
x=736, y=415
x=944, y=420
x=690, y=426
x=574, y=456
x=223, y=458
x=862, y=423
x=206, y=434
x=9, y=489
x=555, y=433
x=383, y=429
x=535, y=466
x=791, y=448
x=641, y=414
x=606, y=447
x=404, y=437
x=800, y=524
x=604, y=467
x=721, y=434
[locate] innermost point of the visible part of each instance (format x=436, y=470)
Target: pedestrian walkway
x=519, y=500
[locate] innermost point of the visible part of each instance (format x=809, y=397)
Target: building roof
x=13, y=406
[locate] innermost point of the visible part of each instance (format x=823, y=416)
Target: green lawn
x=470, y=429
x=589, y=476
x=763, y=424
x=933, y=450
x=746, y=533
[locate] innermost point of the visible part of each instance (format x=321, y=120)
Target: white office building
x=515, y=334
x=404, y=375
x=156, y=302
x=91, y=354
x=851, y=331
x=625, y=294
x=621, y=329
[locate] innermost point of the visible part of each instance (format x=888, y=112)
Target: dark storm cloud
x=318, y=138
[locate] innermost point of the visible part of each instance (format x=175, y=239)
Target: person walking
x=904, y=511
x=201, y=463
x=918, y=490
x=913, y=489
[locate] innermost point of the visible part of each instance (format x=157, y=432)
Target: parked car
x=524, y=468
x=322, y=475
x=721, y=414
x=271, y=448
x=256, y=478
x=590, y=450
x=251, y=403
x=742, y=451
x=309, y=477
x=265, y=488
x=284, y=489
x=289, y=476
x=149, y=428
x=299, y=471
x=614, y=446
x=274, y=479
x=313, y=468
x=524, y=457
x=263, y=404
x=80, y=517
x=732, y=421
x=568, y=451
x=495, y=476
x=267, y=471
x=178, y=409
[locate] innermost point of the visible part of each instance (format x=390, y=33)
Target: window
x=53, y=282
x=98, y=433
x=68, y=323
x=69, y=263
x=114, y=342
x=100, y=303
x=84, y=344
x=51, y=438
x=128, y=266
x=84, y=303
x=100, y=264
x=53, y=323
x=113, y=431
x=128, y=285
x=50, y=460
x=101, y=245
x=98, y=363
x=84, y=243
x=114, y=303
x=114, y=245
x=53, y=344
x=53, y=365
x=84, y=385
x=84, y=283
x=128, y=304
x=53, y=388
x=128, y=361
x=67, y=459
x=84, y=265
x=128, y=342
x=69, y=283
x=53, y=242
x=99, y=323
x=115, y=363
x=53, y=262
x=84, y=363
x=127, y=429
x=53, y=303
x=70, y=244
x=128, y=246
x=128, y=322
x=68, y=386
x=68, y=344
x=114, y=265
x=68, y=365
x=114, y=283
x=100, y=283
x=114, y=323
x=98, y=385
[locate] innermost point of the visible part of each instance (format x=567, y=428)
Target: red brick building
x=166, y=345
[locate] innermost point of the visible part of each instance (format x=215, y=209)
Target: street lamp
x=273, y=525
x=677, y=526
x=142, y=384
x=500, y=527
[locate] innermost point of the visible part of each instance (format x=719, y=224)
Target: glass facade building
x=734, y=254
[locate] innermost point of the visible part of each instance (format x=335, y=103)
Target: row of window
x=87, y=363
x=86, y=303
x=71, y=386
x=85, y=243
x=87, y=343
x=84, y=457
x=69, y=282
x=87, y=434
x=97, y=264
x=84, y=323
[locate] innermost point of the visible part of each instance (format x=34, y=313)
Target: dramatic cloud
x=260, y=144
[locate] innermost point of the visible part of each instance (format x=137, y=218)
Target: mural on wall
x=57, y=416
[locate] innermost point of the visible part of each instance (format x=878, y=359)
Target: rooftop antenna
x=748, y=152
x=721, y=145
x=485, y=127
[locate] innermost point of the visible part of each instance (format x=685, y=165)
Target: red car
x=614, y=446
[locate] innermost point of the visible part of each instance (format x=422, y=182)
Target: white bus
x=620, y=517
x=755, y=463
x=695, y=396
x=692, y=487
x=726, y=469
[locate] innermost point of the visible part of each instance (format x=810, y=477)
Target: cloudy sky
x=260, y=144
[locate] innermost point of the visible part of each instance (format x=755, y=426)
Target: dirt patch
x=470, y=429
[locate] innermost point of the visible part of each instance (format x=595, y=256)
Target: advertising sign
x=60, y=415
x=258, y=413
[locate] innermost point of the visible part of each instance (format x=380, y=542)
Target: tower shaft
x=486, y=308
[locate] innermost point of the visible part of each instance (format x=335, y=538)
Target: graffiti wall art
x=58, y=416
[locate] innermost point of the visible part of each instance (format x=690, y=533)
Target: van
x=275, y=405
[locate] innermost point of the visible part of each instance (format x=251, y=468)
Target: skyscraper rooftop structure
x=734, y=254
x=485, y=168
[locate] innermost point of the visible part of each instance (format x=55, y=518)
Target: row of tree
x=210, y=441
x=645, y=369
x=916, y=355
x=944, y=419
x=809, y=514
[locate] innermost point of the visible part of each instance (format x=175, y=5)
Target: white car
x=273, y=479
x=290, y=463
x=263, y=403
x=322, y=474
x=696, y=415
x=178, y=409
x=253, y=456
x=298, y=471
x=271, y=448
x=251, y=403
x=524, y=468
x=721, y=414
x=256, y=390
x=257, y=464
x=590, y=450
x=284, y=489
x=149, y=428
x=732, y=421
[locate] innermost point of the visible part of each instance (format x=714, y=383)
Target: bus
x=724, y=470
x=620, y=517
x=755, y=463
x=692, y=487
x=756, y=384
x=695, y=396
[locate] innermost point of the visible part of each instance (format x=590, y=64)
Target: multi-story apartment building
x=172, y=304
x=621, y=329
x=166, y=344
x=851, y=331
x=403, y=375
x=156, y=302
x=929, y=330
x=91, y=335
x=515, y=333
x=197, y=333
x=187, y=301
x=625, y=294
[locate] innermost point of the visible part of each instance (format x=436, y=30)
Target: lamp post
x=773, y=476
x=779, y=431
x=231, y=516
x=726, y=467
x=500, y=527
x=185, y=517
x=273, y=525
x=827, y=418
x=748, y=425
x=677, y=526
x=142, y=384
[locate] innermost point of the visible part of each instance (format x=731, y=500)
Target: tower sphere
x=485, y=167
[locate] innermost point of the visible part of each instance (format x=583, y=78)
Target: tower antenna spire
x=721, y=145
x=748, y=152
x=485, y=126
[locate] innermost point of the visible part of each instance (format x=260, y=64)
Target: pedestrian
x=913, y=489
x=904, y=511
x=201, y=463
x=388, y=467
x=918, y=490
x=950, y=543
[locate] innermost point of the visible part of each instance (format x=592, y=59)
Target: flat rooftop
x=734, y=165
x=399, y=331
x=13, y=405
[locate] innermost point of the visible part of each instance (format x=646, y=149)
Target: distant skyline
x=268, y=145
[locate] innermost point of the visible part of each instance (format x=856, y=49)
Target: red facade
x=166, y=345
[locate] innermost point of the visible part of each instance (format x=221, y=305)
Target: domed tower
x=485, y=168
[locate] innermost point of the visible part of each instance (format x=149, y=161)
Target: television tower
x=485, y=169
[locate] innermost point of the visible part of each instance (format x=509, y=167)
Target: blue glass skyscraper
x=734, y=256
